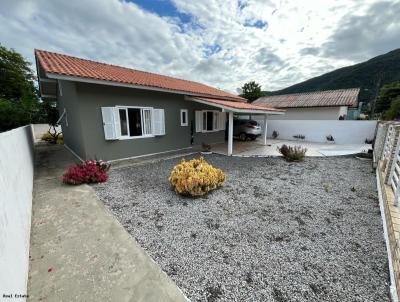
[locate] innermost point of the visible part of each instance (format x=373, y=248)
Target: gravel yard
x=276, y=231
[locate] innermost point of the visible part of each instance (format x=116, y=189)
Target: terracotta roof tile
x=240, y=105
x=327, y=98
x=54, y=63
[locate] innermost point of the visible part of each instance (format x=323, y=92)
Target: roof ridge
x=310, y=92
x=128, y=68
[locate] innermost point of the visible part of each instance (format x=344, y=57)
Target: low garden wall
x=16, y=183
x=343, y=132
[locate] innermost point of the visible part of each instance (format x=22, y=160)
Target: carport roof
x=239, y=107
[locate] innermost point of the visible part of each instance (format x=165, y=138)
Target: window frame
x=186, y=111
x=215, y=114
x=124, y=137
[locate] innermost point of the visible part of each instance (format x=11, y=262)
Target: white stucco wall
x=16, y=182
x=344, y=132
x=315, y=113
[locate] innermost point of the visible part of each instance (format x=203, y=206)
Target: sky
x=221, y=43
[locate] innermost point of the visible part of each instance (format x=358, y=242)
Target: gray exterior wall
x=85, y=134
x=71, y=124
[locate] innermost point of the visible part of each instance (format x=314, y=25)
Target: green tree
x=252, y=91
x=19, y=101
x=393, y=113
x=387, y=95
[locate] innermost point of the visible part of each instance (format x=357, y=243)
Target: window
x=184, y=117
x=135, y=122
x=124, y=122
x=210, y=121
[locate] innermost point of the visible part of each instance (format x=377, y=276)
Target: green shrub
x=195, y=177
x=54, y=139
x=290, y=153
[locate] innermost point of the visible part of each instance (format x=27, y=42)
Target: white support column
x=230, y=133
x=265, y=127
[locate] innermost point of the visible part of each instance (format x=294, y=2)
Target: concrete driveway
x=256, y=148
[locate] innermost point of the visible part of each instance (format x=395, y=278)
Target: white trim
x=187, y=118
x=73, y=152
x=392, y=287
x=226, y=108
x=150, y=154
x=213, y=122
x=125, y=137
x=110, y=83
x=52, y=96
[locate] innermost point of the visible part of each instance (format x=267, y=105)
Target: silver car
x=246, y=129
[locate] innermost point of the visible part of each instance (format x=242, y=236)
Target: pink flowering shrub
x=90, y=171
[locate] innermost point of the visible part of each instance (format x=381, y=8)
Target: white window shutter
x=117, y=123
x=147, y=118
x=199, y=121
x=159, y=122
x=109, y=123
x=221, y=120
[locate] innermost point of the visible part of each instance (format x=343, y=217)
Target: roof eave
x=119, y=84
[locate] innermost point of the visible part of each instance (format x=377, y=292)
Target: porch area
x=257, y=148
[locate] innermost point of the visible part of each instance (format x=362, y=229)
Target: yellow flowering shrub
x=195, y=177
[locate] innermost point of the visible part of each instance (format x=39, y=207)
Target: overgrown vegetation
x=195, y=177
x=296, y=153
x=19, y=101
x=53, y=137
x=388, y=103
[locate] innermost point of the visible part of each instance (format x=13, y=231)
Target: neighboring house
x=318, y=105
x=113, y=112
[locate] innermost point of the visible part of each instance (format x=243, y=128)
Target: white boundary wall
x=16, y=183
x=344, y=132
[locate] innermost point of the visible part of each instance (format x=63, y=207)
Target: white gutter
x=393, y=290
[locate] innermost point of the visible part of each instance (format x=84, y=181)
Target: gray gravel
x=276, y=231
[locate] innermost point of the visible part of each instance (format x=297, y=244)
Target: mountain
x=369, y=76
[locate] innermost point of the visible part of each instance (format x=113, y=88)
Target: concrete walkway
x=79, y=252
x=256, y=148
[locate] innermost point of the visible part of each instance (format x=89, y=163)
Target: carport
x=231, y=107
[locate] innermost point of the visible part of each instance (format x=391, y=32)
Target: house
x=113, y=112
x=318, y=105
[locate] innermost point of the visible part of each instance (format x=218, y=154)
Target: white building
x=318, y=105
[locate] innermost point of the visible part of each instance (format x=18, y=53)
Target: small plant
x=290, y=153
x=206, y=147
x=330, y=138
x=53, y=138
x=275, y=134
x=369, y=141
x=90, y=171
x=299, y=136
x=195, y=177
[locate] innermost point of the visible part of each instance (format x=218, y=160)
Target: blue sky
x=163, y=8
x=222, y=43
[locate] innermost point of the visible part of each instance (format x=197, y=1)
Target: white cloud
x=288, y=46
